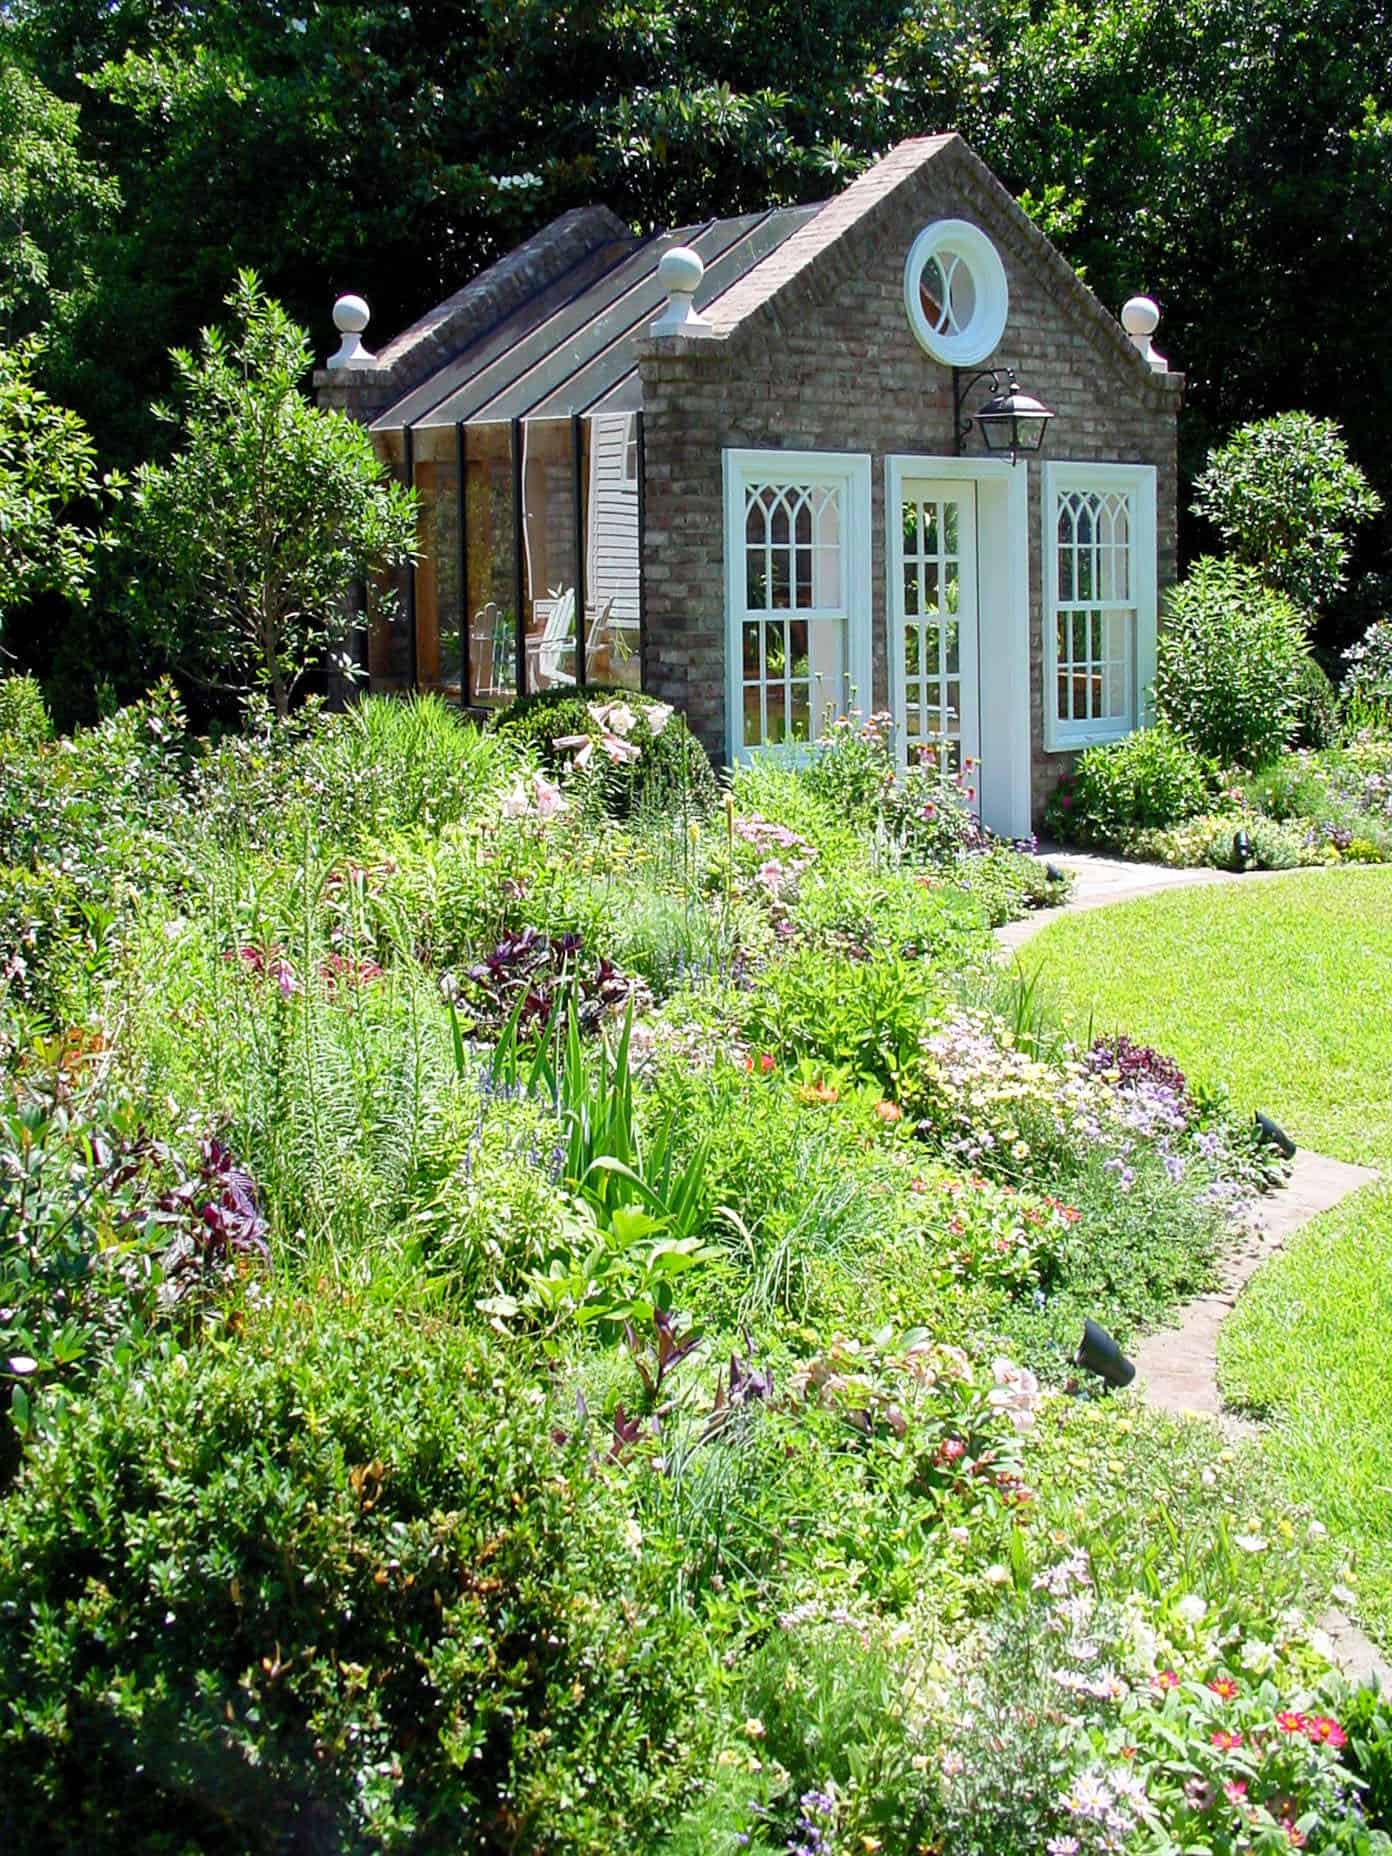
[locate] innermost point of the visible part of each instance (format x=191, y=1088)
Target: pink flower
x=620, y=752
x=550, y=800
x=1167, y=1679
x=514, y=803
x=1224, y=1741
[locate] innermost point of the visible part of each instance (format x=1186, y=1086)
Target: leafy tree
x=269, y=510
x=55, y=209
x=47, y=464
x=1230, y=664
x=1283, y=493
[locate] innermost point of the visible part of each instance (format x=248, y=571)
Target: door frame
x=1002, y=624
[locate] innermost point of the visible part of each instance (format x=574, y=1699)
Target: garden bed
x=538, y=1319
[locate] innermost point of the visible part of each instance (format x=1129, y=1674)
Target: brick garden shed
x=742, y=466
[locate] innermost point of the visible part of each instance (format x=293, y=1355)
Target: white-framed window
x=1099, y=568
x=955, y=292
x=797, y=594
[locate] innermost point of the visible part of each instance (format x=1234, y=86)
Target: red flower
x=1325, y=1732
x=951, y=1450
x=1291, y=1723
x=1223, y=1687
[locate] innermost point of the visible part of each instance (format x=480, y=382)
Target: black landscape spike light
x=1277, y=1136
x=1242, y=850
x=1100, y=1354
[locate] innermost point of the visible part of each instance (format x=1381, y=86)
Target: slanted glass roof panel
x=539, y=311
x=618, y=303
x=583, y=348
x=769, y=232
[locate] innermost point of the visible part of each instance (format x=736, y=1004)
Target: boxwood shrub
x=341, y=1582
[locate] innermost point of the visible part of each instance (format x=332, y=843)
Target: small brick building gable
x=800, y=506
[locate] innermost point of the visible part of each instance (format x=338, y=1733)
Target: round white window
x=955, y=292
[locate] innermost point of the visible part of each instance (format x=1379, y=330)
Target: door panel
x=933, y=621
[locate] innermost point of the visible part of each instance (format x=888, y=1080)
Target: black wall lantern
x=1009, y=419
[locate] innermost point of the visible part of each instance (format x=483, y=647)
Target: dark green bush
x=1147, y=781
x=672, y=773
x=1229, y=664
x=338, y=1583
x=1367, y=1720
x=1317, y=708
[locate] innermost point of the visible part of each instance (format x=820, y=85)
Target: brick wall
x=814, y=352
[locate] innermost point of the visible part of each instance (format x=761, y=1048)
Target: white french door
x=933, y=641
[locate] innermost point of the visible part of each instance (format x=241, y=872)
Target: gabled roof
x=560, y=325
x=572, y=347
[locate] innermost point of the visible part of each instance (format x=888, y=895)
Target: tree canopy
x=1233, y=158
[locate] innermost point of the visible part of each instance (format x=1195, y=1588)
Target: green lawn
x=1283, y=989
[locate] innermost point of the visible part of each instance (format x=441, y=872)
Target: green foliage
x=332, y=1579
x=256, y=529
x=1283, y=493
x=1150, y=780
x=1317, y=712
x=55, y=205
x=864, y=1017
x=669, y=772
x=1368, y=1723
x=47, y=464
x=1229, y=664
x=24, y=717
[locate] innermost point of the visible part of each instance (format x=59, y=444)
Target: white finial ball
x=351, y=315
x=1141, y=316
x=681, y=269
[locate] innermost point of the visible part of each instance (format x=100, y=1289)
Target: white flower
x=515, y=803
x=1258, y=1657
x=1192, y=1609
x=1016, y=1392
x=658, y=714
x=1250, y=1543
x=996, y=1575
x=632, y=1535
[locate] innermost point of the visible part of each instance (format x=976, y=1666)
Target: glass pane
x=491, y=554
x=1118, y=634
x=802, y=524
x=756, y=580
x=963, y=295
x=610, y=505
x=932, y=292
x=952, y=716
x=797, y=648
x=910, y=589
x=1083, y=582
x=548, y=535
x=950, y=515
x=930, y=587
x=803, y=561
x=800, y=713
x=826, y=659
x=912, y=650
x=753, y=721
x=1116, y=690
x=1095, y=638
x=1079, y=650
x=751, y=650
x=952, y=646
x=932, y=700
x=1064, y=686
x=775, y=650
x=779, y=526
x=775, y=708
x=928, y=527
x=438, y=654
x=781, y=588
x=1065, y=574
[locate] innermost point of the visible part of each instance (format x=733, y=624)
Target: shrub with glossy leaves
x=1284, y=493
x=339, y=1583
x=1229, y=664
x=1149, y=780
